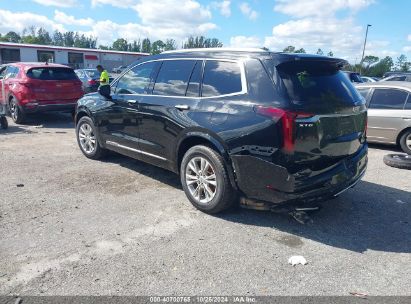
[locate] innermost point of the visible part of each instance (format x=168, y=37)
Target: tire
x=3, y=122
x=16, y=112
x=405, y=142
x=208, y=194
x=87, y=139
x=401, y=161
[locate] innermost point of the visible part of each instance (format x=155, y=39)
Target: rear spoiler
x=280, y=58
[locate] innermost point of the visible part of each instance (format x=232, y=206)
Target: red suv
x=38, y=87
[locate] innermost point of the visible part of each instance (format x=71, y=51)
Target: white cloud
x=305, y=8
x=160, y=19
x=58, y=3
x=116, y=3
x=245, y=42
x=409, y=37
x=71, y=20
x=329, y=25
x=407, y=49
x=224, y=7
x=247, y=11
x=11, y=21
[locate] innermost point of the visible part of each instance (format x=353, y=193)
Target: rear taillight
x=288, y=119
x=92, y=82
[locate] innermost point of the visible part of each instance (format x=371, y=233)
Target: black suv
x=269, y=127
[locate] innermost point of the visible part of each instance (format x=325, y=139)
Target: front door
x=119, y=122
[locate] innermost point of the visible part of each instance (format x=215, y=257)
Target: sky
x=332, y=25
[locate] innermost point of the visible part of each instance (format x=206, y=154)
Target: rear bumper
x=38, y=107
x=265, y=181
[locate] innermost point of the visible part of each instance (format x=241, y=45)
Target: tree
x=120, y=44
x=136, y=46
x=201, y=42
x=11, y=37
x=170, y=45
x=320, y=52
x=146, y=45
x=43, y=37
x=367, y=62
x=58, y=38
x=330, y=54
x=300, y=51
x=158, y=47
x=289, y=49
x=379, y=69
x=402, y=65
x=68, y=38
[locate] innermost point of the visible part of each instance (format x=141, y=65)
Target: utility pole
x=365, y=43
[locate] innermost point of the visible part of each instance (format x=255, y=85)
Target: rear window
x=52, y=74
x=316, y=83
x=93, y=73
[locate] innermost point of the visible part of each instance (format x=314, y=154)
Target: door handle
x=182, y=107
x=131, y=101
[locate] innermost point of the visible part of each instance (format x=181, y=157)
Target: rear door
x=386, y=114
x=54, y=84
x=167, y=111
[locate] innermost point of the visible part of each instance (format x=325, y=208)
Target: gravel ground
x=73, y=226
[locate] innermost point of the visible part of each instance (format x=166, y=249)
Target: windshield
x=317, y=83
x=52, y=73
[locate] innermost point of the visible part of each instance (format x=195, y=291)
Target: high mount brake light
x=288, y=119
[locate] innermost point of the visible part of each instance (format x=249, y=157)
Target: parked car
x=272, y=127
x=36, y=87
x=403, y=77
x=368, y=79
x=393, y=73
x=119, y=69
x=90, y=79
x=353, y=76
x=389, y=112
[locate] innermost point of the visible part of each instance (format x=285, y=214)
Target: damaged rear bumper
x=260, y=180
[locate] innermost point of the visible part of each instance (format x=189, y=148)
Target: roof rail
x=215, y=50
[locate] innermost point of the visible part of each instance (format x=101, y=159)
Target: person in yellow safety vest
x=104, y=88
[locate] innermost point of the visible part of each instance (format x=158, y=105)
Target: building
x=74, y=57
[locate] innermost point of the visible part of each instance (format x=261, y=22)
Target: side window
x=408, y=104
x=136, y=80
x=364, y=92
x=221, y=78
x=193, y=89
x=388, y=99
x=173, y=77
x=397, y=78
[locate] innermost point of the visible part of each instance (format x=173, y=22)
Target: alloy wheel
x=87, y=138
x=13, y=110
x=408, y=141
x=201, y=180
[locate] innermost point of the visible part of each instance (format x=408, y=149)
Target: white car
x=368, y=79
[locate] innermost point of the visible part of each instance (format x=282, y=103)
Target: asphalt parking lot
x=73, y=226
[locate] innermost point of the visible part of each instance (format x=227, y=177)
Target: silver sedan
x=389, y=112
